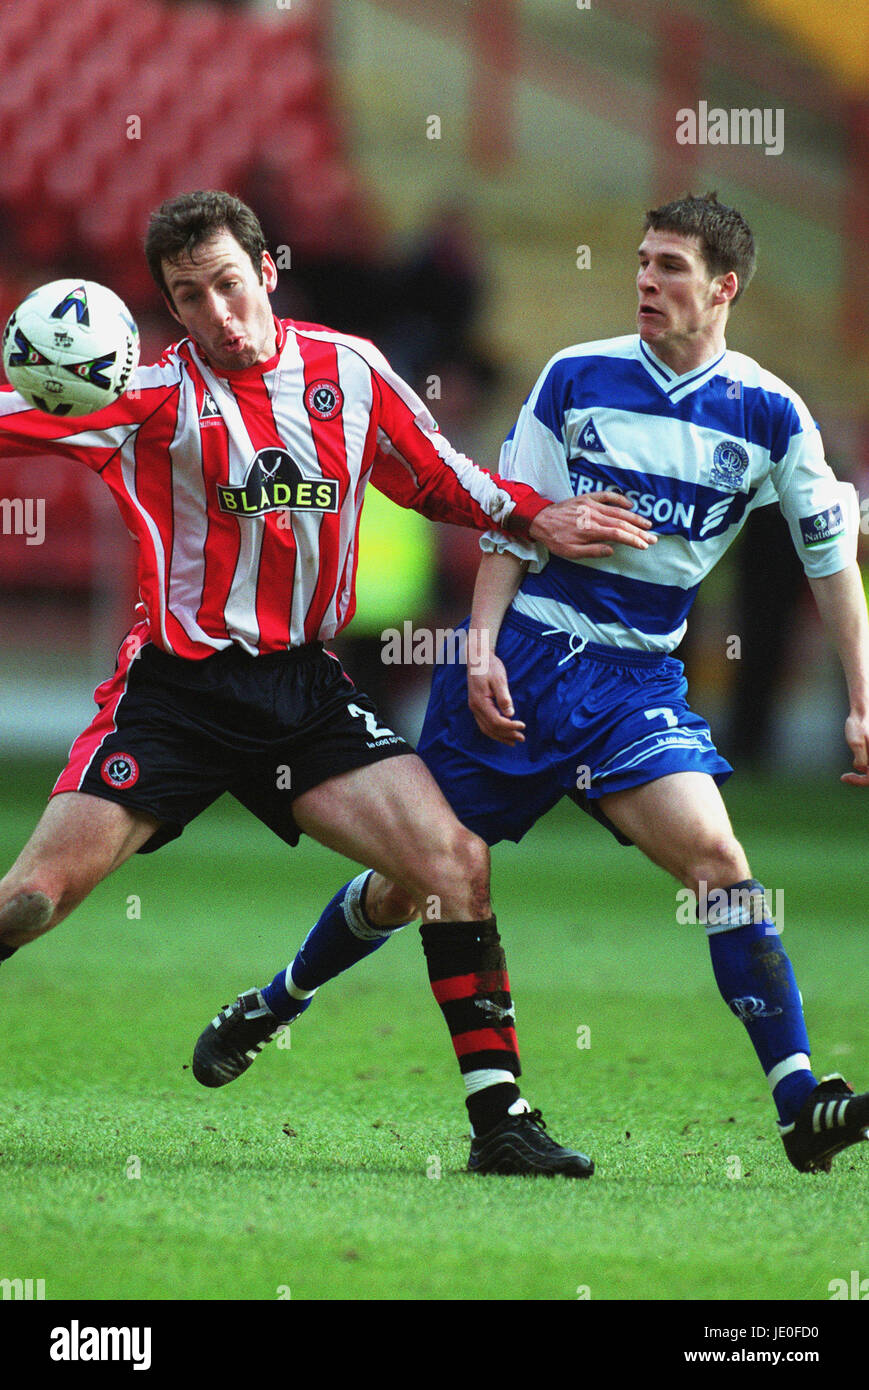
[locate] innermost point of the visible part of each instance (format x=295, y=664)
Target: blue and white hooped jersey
x=696, y=453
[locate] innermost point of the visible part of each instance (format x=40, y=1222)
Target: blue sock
x=757, y=982
x=341, y=936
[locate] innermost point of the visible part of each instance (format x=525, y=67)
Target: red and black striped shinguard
x=468, y=973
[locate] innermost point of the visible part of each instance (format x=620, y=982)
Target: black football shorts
x=172, y=735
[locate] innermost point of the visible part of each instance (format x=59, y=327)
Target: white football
x=71, y=347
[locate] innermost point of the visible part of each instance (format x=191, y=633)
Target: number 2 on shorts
x=372, y=728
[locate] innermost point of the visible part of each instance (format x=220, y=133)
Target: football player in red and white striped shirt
x=239, y=463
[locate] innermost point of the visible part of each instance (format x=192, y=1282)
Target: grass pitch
x=335, y=1168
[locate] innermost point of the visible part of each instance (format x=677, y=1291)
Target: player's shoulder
x=556, y=385
x=322, y=333
x=168, y=367
x=572, y=357
x=775, y=393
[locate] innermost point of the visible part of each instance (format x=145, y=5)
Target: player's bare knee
x=717, y=864
x=452, y=881
x=471, y=866
x=27, y=910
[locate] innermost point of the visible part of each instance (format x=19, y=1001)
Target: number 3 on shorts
x=666, y=714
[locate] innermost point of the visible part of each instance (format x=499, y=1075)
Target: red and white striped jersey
x=244, y=488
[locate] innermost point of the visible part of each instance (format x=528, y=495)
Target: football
x=71, y=347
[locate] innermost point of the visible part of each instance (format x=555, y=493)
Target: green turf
x=334, y=1170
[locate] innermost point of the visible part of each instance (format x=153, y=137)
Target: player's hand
x=857, y=739
x=490, y=702
x=587, y=527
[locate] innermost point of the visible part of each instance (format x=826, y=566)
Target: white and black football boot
x=234, y=1039
x=831, y=1119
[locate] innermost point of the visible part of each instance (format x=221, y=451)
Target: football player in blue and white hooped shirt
x=580, y=695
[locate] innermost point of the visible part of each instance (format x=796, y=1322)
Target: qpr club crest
x=729, y=465
x=324, y=400
x=120, y=770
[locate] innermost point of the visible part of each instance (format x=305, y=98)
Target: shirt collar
x=669, y=381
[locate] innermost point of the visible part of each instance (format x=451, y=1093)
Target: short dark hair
x=182, y=223
x=726, y=239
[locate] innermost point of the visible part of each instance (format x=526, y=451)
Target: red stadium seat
x=46, y=236
x=152, y=86
x=302, y=144
x=22, y=26
x=23, y=90
x=106, y=226
x=75, y=180
x=207, y=90
x=84, y=18
x=218, y=94
x=296, y=26
x=23, y=167
x=107, y=15
x=143, y=25
x=290, y=82
x=200, y=31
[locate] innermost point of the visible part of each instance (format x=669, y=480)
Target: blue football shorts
x=596, y=721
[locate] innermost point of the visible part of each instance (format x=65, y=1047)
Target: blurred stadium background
x=426, y=171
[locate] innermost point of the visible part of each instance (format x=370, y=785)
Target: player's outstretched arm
x=588, y=527
x=842, y=605
x=416, y=467
x=498, y=579
x=91, y=439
